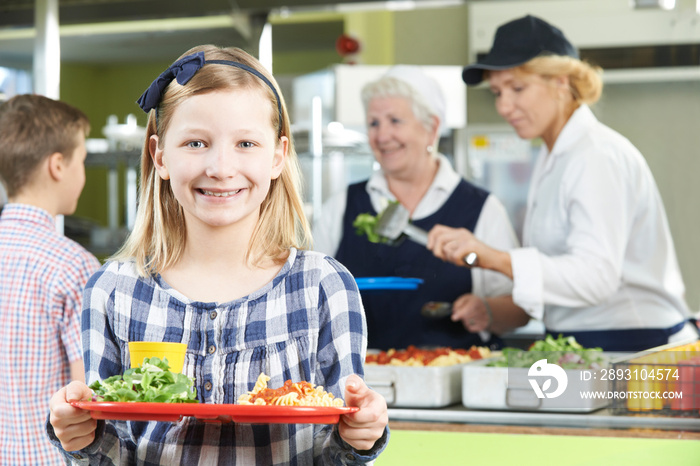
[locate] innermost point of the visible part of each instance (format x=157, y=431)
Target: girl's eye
x=395, y=121
x=195, y=144
x=247, y=144
x=373, y=124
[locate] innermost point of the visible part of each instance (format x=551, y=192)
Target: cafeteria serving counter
x=598, y=419
x=495, y=432
x=457, y=435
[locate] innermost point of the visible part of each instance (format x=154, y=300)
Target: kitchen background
x=110, y=50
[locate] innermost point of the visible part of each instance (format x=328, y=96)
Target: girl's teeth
x=226, y=194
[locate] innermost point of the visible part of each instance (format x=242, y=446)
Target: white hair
x=411, y=83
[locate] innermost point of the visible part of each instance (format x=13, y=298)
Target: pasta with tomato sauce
x=289, y=394
x=417, y=357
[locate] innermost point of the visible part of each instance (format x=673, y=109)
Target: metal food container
x=661, y=381
x=416, y=387
x=490, y=388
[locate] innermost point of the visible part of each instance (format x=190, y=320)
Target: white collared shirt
x=493, y=226
x=598, y=252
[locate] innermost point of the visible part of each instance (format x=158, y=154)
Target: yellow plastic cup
x=173, y=352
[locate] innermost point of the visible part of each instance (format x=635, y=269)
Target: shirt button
x=212, y=349
x=207, y=386
x=213, y=315
x=350, y=457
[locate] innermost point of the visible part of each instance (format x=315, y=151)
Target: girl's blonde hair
x=585, y=80
x=159, y=235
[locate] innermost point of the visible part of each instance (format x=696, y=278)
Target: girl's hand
x=74, y=427
x=362, y=429
x=452, y=244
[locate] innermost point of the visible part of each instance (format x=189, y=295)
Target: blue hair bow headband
x=183, y=70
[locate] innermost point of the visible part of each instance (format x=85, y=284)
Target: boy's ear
x=56, y=166
x=157, y=157
x=280, y=157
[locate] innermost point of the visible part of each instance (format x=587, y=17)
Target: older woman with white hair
x=405, y=109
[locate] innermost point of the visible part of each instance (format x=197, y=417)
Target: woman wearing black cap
x=598, y=261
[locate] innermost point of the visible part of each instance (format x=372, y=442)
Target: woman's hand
x=452, y=244
x=472, y=312
x=363, y=428
x=74, y=427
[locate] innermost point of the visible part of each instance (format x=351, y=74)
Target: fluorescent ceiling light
x=396, y=5
x=662, y=4
x=290, y=11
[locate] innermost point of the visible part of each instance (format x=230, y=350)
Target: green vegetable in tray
x=563, y=351
x=152, y=381
x=364, y=225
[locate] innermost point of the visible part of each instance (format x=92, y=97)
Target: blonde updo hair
x=159, y=235
x=585, y=80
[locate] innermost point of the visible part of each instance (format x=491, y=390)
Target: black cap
x=518, y=42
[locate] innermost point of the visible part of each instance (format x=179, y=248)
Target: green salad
x=563, y=351
x=152, y=381
x=364, y=225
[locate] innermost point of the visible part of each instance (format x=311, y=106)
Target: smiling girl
x=216, y=261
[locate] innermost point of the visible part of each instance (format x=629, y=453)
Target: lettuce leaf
x=152, y=381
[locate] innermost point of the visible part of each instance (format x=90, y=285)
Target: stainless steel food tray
x=491, y=388
x=416, y=387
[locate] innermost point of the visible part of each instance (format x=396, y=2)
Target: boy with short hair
x=42, y=273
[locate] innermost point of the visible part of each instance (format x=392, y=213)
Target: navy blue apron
x=633, y=340
x=393, y=317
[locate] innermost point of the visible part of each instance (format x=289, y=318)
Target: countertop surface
x=534, y=430
x=457, y=435
x=600, y=419
x=451, y=444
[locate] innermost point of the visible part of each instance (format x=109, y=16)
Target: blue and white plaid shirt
x=306, y=324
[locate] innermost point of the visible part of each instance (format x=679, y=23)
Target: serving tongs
x=440, y=310
x=394, y=222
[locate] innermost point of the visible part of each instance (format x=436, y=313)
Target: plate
x=249, y=414
x=388, y=283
